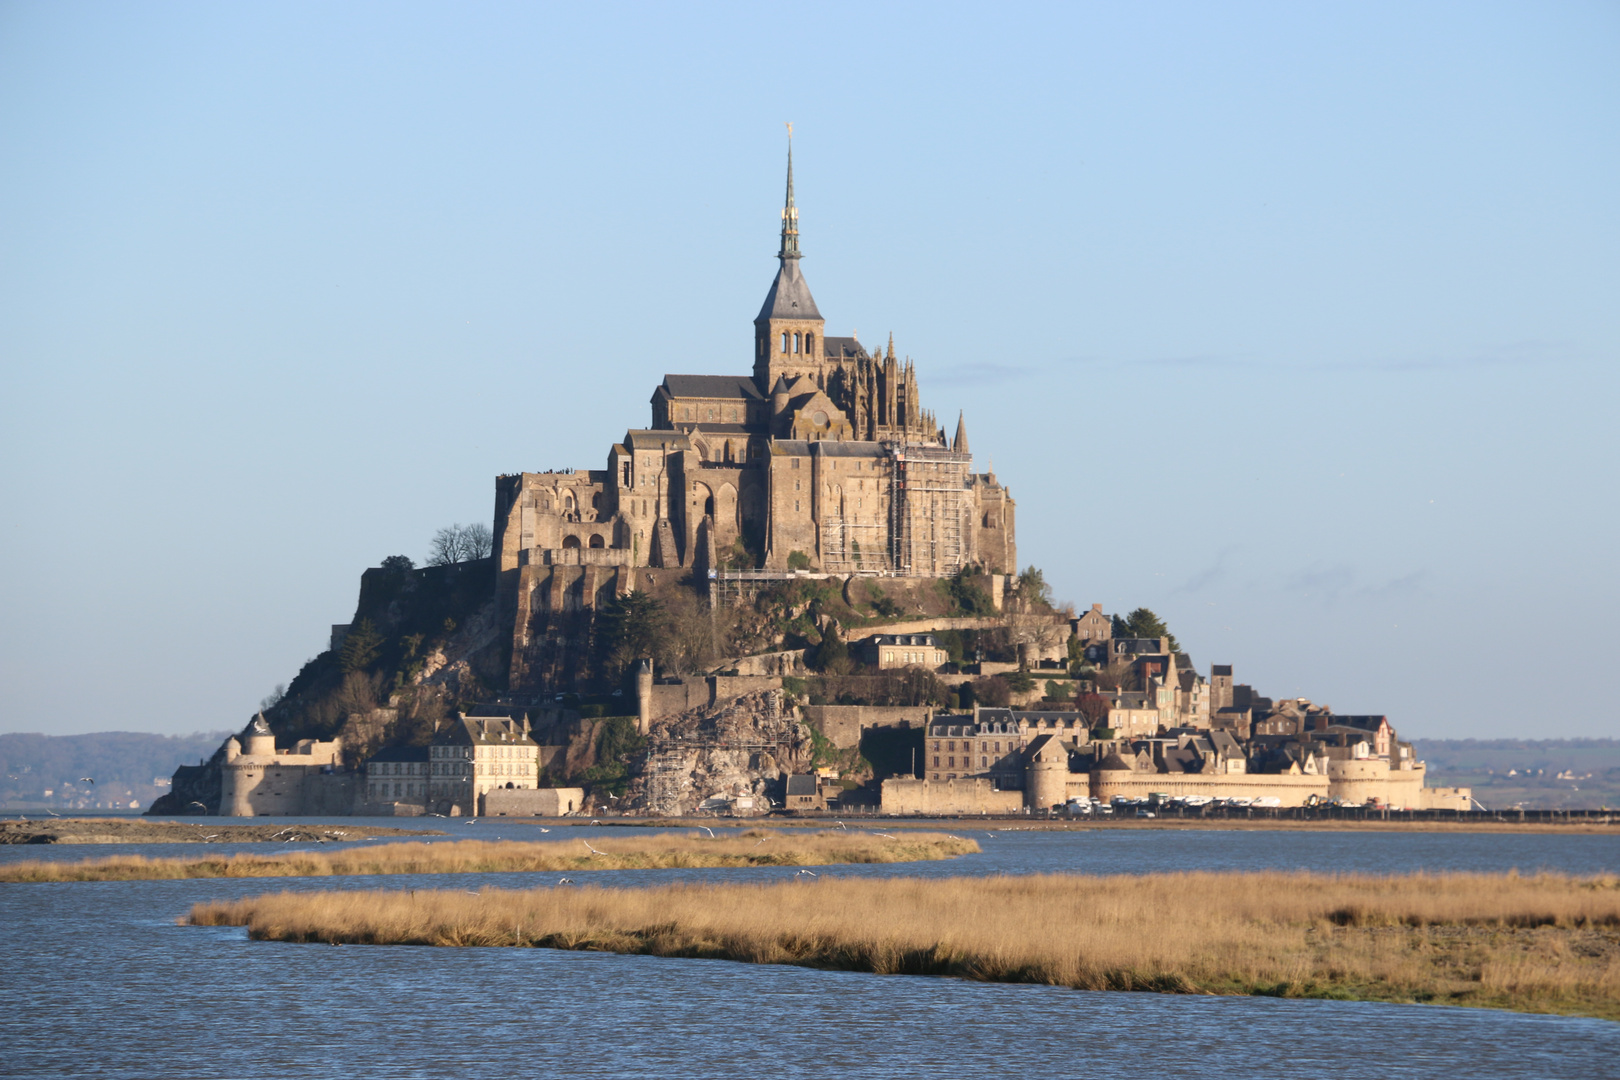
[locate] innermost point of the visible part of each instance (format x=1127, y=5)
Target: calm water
x=100, y=982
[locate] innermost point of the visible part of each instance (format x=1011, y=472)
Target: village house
x=888, y=651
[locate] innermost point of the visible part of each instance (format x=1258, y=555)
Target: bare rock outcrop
x=738, y=748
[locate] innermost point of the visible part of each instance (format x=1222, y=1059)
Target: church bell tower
x=788, y=340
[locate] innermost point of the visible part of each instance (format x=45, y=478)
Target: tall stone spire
x=790, y=213
x=788, y=330
x=960, y=443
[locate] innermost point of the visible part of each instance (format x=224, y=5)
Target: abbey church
x=823, y=458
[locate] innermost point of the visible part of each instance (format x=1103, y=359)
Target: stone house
x=398, y=776
x=902, y=650
x=472, y=755
x=804, y=793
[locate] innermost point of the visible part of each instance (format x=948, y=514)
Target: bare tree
x=459, y=544
x=1037, y=632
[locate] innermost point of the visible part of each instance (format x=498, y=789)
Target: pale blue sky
x=1297, y=323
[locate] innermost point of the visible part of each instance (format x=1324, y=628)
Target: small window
x=784, y=341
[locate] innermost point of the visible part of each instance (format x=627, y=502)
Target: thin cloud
x=1206, y=577
x=978, y=374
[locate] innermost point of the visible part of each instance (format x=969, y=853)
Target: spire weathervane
x=790, y=213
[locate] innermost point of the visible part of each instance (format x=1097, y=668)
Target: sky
x=1296, y=323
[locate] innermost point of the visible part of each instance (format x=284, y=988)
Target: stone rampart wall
x=532, y=802
x=1367, y=779
x=965, y=796
x=842, y=724
x=1292, y=790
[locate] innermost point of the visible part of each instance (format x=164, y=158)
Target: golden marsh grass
x=1545, y=943
x=753, y=848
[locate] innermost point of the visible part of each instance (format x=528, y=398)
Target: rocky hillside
x=740, y=747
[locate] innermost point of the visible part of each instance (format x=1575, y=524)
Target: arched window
x=796, y=342
x=596, y=542
x=810, y=344
x=570, y=542
x=784, y=341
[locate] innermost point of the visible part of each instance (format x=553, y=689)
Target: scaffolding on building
x=927, y=511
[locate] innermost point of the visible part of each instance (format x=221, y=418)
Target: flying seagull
x=806, y=873
x=590, y=849
x=545, y=830
x=565, y=881
x=86, y=780
x=708, y=830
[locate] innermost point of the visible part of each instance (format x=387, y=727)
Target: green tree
x=1034, y=591
x=832, y=655
x=360, y=647
x=627, y=628
x=1142, y=623
x=968, y=594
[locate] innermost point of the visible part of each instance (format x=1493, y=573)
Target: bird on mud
x=590, y=849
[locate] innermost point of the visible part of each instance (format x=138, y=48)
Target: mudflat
x=141, y=831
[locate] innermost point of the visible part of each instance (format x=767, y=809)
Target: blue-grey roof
x=400, y=753
x=789, y=297
x=712, y=386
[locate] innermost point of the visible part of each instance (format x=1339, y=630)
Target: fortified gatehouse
x=823, y=458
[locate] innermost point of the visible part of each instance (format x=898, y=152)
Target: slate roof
x=801, y=784
x=789, y=297
x=843, y=348
x=903, y=639
x=712, y=386
x=399, y=753
x=488, y=731
x=655, y=440
x=1114, y=763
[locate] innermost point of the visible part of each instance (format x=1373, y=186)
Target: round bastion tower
x=1048, y=774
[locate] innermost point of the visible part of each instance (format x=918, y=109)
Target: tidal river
x=99, y=981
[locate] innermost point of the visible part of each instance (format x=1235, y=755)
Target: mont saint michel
x=790, y=591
